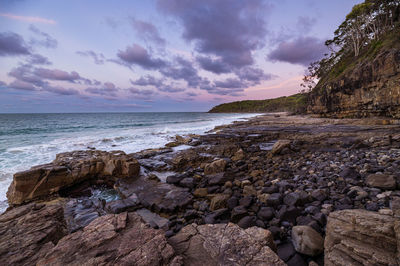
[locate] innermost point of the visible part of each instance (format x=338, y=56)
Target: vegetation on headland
x=369, y=28
x=296, y=104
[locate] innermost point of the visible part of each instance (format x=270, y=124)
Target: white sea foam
x=15, y=159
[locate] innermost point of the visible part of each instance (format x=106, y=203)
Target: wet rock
x=80, y=212
x=217, y=179
x=175, y=179
x=360, y=237
x=246, y=201
x=279, y=146
x=232, y=202
x=289, y=213
x=218, y=201
x=129, y=204
x=28, y=231
x=187, y=182
x=238, y=213
x=152, y=218
x=200, y=192
x=265, y=213
x=222, y=244
x=382, y=181
x=274, y=200
x=286, y=250
x=68, y=169
x=110, y=240
x=247, y=221
x=307, y=241
x=156, y=196
x=217, y=166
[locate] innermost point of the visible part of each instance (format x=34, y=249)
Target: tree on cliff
x=366, y=23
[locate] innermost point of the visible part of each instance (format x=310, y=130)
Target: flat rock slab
x=156, y=196
x=225, y=244
x=113, y=239
x=69, y=169
x=27, y=232
x=360, y=237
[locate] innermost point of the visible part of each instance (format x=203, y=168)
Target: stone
x=79, y=213
x=286, y=250
x=289, y=213
x=68, y=169
x=225, y=244
x=382, y=181
x=218, y=201
x=28, y=231
x=200, y=192
x=274, y=199
x=265, y=213
x=247, y=221
x=217, y=166
x=238, y=213
x=156, y=196
x=361, y=237
x=249, y=191
x=279, y=146
x=113, y=239
x=129, y=204
x=307, y=241
x=216, y=179
x=239, y=155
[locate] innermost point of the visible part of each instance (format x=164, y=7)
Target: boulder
x=28, y=231
x=279, y=146
x=225, y=244
x=215, y=167
x=382, y=181
x=156, y=196
x=307, y=241
x=360, y=237
x=68, y=169
x=218, y=201
x=113, y=239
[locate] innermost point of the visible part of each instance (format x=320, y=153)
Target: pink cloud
x=28, y=18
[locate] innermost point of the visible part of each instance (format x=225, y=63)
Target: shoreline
x=274, y=172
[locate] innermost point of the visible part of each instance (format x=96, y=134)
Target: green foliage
x=296, y=103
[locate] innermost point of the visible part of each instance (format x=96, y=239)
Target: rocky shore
x=274, y=190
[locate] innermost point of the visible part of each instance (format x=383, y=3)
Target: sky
x=157, y=55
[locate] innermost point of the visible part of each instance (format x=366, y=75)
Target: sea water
x=31, y=139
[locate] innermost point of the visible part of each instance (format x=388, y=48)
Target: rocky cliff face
x=370, y=88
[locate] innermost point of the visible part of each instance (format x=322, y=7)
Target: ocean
x=31, y=139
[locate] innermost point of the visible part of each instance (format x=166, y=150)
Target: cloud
x=108, y=89
x=302, y=51
x=229, y=30
x=212, y=89
x=170, y=88
x=138, y=55
x=37, y=59
x=182, y=69
x=148, y=81
x=230, y=83
x=28, y=18
x=12, y=44
x=61, y=90
x=253, y=76
x=141, y=94
x=216, y=66
x=304, y=24
x=98, y=58
x=56, y=74
x=22, y=85
x=46, y=41
x=148, y=32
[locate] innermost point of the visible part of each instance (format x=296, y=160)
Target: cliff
x=294, y=103
x=368, y=85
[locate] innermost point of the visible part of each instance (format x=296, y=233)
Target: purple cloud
x=148, y=81
x=56, y=74
x=138, y=55
x=216, y=66
x=231, y=83
x=302, y=50
x=45, y=41
x=37, y=59
x=148, y=32
x=61, y=90
x=182, y=69
x=98, y=58
x=12, y=44
x=21, y=85
x=230, y=30
x=253, y=76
